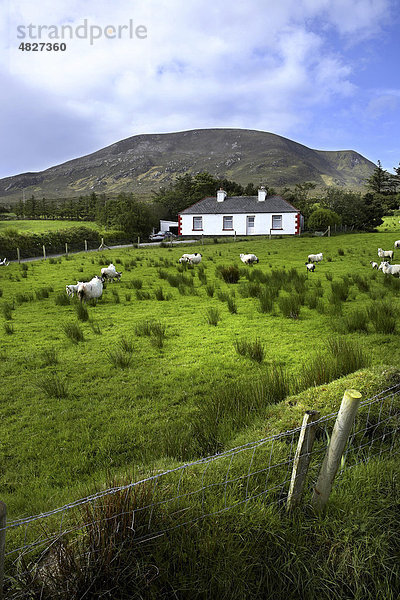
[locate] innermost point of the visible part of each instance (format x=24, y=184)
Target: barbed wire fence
x=248, y=477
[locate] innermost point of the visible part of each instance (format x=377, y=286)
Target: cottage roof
x=239, y=204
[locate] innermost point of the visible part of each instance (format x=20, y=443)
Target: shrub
x=74, y=332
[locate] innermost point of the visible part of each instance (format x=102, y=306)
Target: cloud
x=203, y=64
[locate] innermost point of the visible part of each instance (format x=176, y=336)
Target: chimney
x=262, y=194
x=221, y=195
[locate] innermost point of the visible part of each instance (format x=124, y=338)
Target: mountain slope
x=143, y=163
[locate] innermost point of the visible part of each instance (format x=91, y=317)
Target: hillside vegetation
x=144, y=163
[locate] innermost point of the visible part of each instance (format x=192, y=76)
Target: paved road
x=142, y=245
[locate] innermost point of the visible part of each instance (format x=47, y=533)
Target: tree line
x=136, y=217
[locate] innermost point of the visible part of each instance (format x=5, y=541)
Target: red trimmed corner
x=297, y=224
x=179, y=225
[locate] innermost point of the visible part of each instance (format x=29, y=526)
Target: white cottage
x=243, y=215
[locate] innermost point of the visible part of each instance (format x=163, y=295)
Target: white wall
x=212, y=224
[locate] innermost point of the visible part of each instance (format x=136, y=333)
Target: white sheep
x=374, y=264
x=390, y=269
x=310, y=267
x=4, y=263
x=90, y=289
x=397, y=244
x=313, y=258
x=72, y=289
x=249, y=259
x=385, y=253
x=110, y=273
x=193, y=259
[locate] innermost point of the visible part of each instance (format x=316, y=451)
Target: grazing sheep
x=397, y=244
x=4, y=263
x=310, y=267
x=385, y=253
x=72, y=289
x=90, y=289
x=373, y=264
x=110, y=273
x=249, y=259
x=193, y=259
x=313, y=258
x=390, y=269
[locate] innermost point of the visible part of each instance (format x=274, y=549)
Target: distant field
x=391, y=223
x=40, y=226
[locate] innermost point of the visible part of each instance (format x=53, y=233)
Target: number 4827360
x=42, y=47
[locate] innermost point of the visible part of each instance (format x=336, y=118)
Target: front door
x=250, y=225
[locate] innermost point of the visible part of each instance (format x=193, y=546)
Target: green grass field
x=72, y=411
x=41, y=226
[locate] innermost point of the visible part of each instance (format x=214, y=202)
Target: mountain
x=144, y=163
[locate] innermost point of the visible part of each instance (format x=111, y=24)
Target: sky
x=324, y=73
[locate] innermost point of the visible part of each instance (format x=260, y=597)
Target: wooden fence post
x=66, y=248
x=44, y=252
x=85, y=245
x=341, y=430
x=18, y=255
x=302, y=458
x=3, y=522
x=138, y=242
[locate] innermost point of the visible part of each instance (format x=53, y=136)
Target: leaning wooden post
x=85, y=245
x=18, y=255
x=138, y=242
x=66, y=248
x=3, y=522
x=302, y=458
x=44, y=252
x=331, y=462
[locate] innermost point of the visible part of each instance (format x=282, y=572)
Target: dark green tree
x=321, y=218
x=378, y=182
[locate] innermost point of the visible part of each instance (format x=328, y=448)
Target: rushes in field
x=156, y=330
x=53, y=386
x=49, y=356
x=266, y=301
x=62, y=299
x=140, y=295
x=74, y=332
x=21, y=298
x=1, y=292
x=341, y=357
x=229, y=274
x=254, y=350
x=8, y=329
x=383, y=316
x=212, y=316
x=120, y=359
x=357, y=320
x=7, y=311
x=340, y=291
x=136, y=283
x=232, y=306
x=82, y=312
x=290, y=305
x=159, y=294
x=43, y=293
x=210, y=289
